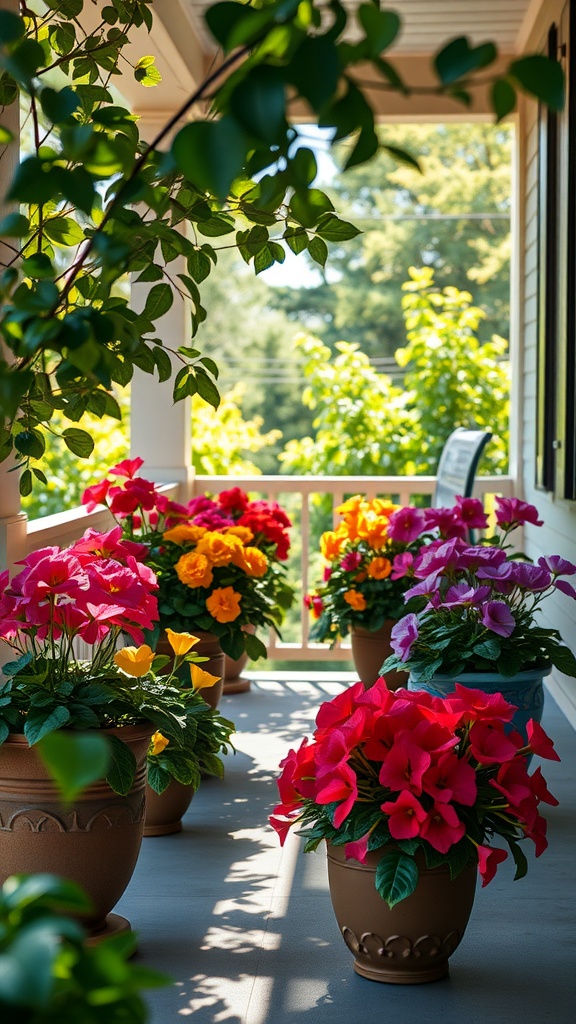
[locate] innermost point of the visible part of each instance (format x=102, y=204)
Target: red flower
x=442, y=827
x=490, y=745
x=405, y=765
x=451, y=778
x=406, y=814
x=342, y=787
x=488, y=860
x=539, y=741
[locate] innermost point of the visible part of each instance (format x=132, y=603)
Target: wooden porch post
x=161, y=430
x=12, y=519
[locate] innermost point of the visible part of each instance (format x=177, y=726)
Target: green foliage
x=366, y=426
x=48, y=973
x=222, y=438
x=69, y=336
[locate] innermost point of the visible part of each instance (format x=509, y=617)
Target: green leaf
x=78, y=441
x=25, y=485
x=38, y=265
x=207, y=389
x=396, y=877
x=402, y=156
x=123, y=766
x=259, y=104
x=146, y=72
x=381, y=27
x=542, y=77
x=30, y=443
x=254, y=647
x=315, y=70
x=14, y=225
x=563, y=659
x=58, y=106
x=158, y=301
x=6, y=135
x=519, y=860
x=458, y=59
x=163, y=363
x=64, y=231
x=296, y=239
x=489, y=649
x=39, y=724
x=12, y=27
x=199, y=265
x=75, y=760
x=318, y=250
x=211, y=154
x=334, y=230
x=502, y=96
x=9, y=91
x=308, y=205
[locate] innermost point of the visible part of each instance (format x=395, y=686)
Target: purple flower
x=464, y=594
x=498, y=618
x=406, y=524
x=480, y=555
x=471, y=513
x=402, y=565
x=514, y=512
x=565, y=587
x=403, y=635
x=530, y=577
x=557, y=566
x=426, y=587
x=445, y=521
x=436, y=557
x=351, y=561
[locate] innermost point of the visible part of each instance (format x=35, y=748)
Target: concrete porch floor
x=247, y=932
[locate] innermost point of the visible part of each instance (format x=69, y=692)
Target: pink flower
x=442, y=827
x=357, y=851
x=539, y=741
x=351, y=561
x=406, y=524
x=342, y=787
x=127, y=468
x=445, y=521
x=402, y=566
x=471, y=513
x=557, y=566
x=95, y=495
x=405, y=765
x=464, y=594
x=405, y=815
x=514, y=512
x=488, y=860
x=451, y=778
x=490, y=745
x=498, y=618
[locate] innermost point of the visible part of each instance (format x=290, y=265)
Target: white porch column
x=160, y=430
x=12, y=519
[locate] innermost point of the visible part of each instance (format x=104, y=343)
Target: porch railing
x=311, y=504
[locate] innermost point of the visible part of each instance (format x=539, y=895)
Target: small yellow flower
x=135, y=661
x=158, y=743
x=201, y=679
x=181, y=643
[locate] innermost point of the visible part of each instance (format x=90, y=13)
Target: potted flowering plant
x=218, y=560
x=411, y=790
x=476, y=615
x=89, y=594
x=368, y=570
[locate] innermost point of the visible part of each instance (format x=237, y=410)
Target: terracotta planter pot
x=94, y=842
x=233, y=669
x=164, y=811
x=369, y=652
x=411, y=943
x=525, y=690
x=209, y=647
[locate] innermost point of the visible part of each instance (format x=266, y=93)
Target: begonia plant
x=96, y=593
x=368, y=561
x=219, y=561
x=477, y=605
x=436, y=780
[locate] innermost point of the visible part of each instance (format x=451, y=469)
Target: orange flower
x=374, y=529
x=331, y=544
x=383, y=507
x=352, y=505
x=158, y=743
x=181, y=643
x=194, y=570
x=379, y=568
x=224, y=604
x=242, y=532
x=184, y=533
x=356, y=600
x=251, y=560
x=218, y=548
x=201, y=679
x=135, y=661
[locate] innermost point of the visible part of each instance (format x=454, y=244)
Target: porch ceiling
x=428, y=23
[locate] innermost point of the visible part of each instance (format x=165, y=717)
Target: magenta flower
x=357, y=851
x=531, y=577
x=403, y=635
x=557, y=566
x=406, y=524
x=488, y=860
x=405, y=815
x=464, y=594
x=402, y=566
x=342, y=787
x=351, y=561
x=565, y=587
x=127, y=468
x=405, y=765
x=434, y=557
x=481, y=557
x=471, y=513
x=442, y=827
x=498, y=618
x=451, y=778
x=514, y=512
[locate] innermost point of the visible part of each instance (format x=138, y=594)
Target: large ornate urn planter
x=370, y=648
x=525, y=690
x=95, y=841
x=412, y=942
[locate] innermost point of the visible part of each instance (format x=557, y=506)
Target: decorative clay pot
x=370, y=648
x=209, y=647
x=411, y=943
x=234, y=682
x=164, y=811
x=524, y=690
x=95, y=841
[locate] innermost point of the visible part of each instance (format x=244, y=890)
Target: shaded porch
x=247, y=932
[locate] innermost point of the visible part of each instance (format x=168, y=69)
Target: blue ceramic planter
x=525, y=690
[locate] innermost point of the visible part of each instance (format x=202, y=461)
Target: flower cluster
x=218, y=560
x=94, y=593
x=430, y=776
x=477, y=605
x=369, y=559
